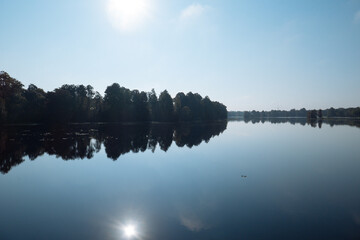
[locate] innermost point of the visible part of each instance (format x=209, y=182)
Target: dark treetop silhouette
x=83, y=141
x=79, y=103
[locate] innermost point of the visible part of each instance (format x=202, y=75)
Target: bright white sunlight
x=127, y=15
x=129, y=231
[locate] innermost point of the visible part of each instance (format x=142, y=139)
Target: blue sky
x=248, y=55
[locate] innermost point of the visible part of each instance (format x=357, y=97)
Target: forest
x=353, y=122
x=302, y=113
x=79, y=103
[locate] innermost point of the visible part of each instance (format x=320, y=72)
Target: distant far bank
x=81, y=104
x=302, y=113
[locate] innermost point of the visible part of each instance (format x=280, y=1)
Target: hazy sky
x=246, y=54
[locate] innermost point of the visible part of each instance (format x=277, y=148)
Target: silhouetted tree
x=34, y=108
x=312, y=114
x=80, y=103
x=166, y=107
x=320, y=115
x=11, y=99
x=153, y=106
x=114, y=103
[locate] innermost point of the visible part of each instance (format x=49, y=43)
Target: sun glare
x=128, y=14
x=129, y=231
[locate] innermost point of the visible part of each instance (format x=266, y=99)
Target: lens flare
x=128, y=15
x=129, y=231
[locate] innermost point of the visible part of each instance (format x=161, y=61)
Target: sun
x=129, y=231
x=128, y=15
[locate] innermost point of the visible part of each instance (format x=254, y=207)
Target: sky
x=247, y=54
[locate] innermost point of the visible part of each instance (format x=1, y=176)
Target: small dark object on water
x=243, y=176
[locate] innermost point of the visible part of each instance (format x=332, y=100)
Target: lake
x=225, y=180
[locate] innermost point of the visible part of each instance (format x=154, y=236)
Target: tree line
x=302, y=113
x=79, y=103
x=353, y=122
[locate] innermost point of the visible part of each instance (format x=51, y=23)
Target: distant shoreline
x=353, y=112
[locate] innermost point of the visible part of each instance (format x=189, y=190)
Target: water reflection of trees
x=304, y=121
x=84, y=141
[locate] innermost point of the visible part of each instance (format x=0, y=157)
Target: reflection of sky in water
x=302, y=183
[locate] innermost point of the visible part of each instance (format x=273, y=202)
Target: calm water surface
x=250, y=181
